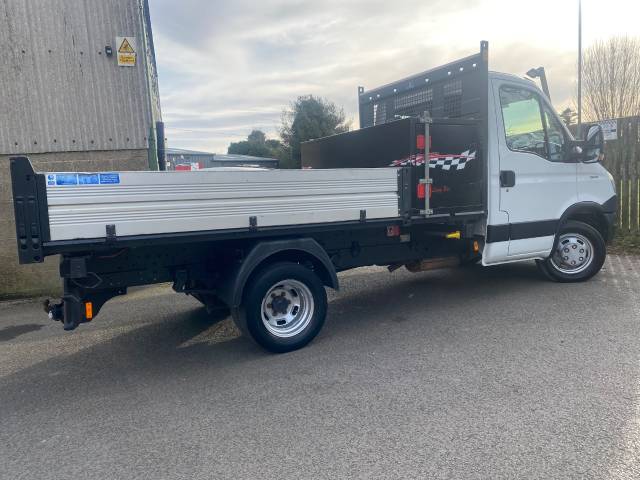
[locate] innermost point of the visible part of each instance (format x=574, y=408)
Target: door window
x=522, y=117
x=555, y=135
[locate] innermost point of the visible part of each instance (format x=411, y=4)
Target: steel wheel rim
x=287, y=308
x=573, y=255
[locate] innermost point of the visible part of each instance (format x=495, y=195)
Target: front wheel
x=284, y=307
x=579, y=254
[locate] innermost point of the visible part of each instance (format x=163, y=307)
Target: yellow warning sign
x=126, y=47
x=126, y=51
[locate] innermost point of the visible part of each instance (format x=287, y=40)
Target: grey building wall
x=150, y=57
x=60, y=91
x=68, y=105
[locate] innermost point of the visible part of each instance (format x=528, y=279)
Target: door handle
x=507, y=178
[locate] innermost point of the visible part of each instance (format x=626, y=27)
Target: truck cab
x=535, y=177
x=540, y=179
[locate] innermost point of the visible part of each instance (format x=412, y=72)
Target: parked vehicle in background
x=187, y=167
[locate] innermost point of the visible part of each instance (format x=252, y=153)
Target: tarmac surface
x=463, y=374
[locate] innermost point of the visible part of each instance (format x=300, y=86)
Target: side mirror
x=576, y=154
x=593, y=146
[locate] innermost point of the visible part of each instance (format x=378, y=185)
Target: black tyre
x=284, y=307
x=579, y=253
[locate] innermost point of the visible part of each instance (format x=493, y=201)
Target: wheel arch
x=299, y=250
x=591, y=213
x=585, y=217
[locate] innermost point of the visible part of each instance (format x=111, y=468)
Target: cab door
x=537, y=179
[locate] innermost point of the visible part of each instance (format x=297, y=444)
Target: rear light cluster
x=393, y=231
x=420, y=142
x=422, y=191
x=422, y=188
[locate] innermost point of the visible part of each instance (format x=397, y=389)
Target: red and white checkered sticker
x=439, y=160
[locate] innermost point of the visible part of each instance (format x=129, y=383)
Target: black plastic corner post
x=26, y=204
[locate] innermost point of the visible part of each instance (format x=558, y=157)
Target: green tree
x=257, y=145
x=257, y=136
x=307, y=118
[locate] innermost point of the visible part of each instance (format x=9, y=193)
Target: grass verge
x=626, y=243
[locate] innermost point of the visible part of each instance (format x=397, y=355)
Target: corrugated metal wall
x=60, y=92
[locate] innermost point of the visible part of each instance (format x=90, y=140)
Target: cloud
x=560, y=68
x=226, y=66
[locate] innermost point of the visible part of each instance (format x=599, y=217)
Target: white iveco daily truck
x=452, y=165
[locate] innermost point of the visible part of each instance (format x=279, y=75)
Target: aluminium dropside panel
x=82, y=206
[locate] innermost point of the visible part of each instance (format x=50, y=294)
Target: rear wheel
x=284, y=307
x=579, y=254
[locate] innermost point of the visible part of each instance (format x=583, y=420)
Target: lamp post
x=579, y=67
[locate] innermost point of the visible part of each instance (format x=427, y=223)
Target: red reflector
x=393, y=231
x=421, y=191
x=420, y=142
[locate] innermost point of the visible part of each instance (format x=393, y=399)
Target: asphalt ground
x=467, y=373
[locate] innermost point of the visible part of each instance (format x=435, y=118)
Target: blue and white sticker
x=109, y=178
x=82, y=179
x=65, y=179
x=88, y=179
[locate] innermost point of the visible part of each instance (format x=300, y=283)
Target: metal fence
x=622, y=159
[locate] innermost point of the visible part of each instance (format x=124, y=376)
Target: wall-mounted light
x=108, y=51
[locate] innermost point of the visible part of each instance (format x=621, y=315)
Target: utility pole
x=579, y=67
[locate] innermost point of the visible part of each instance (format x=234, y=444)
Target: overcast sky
x=229, y=66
